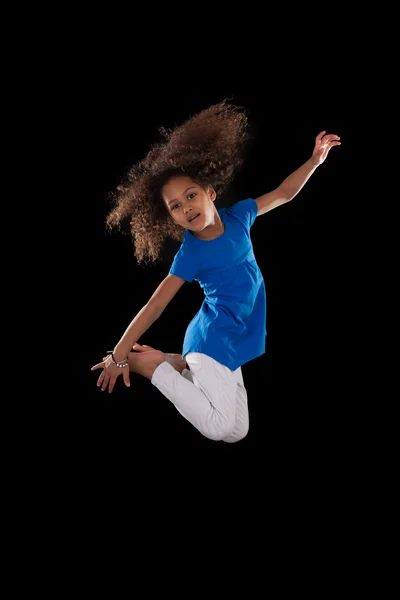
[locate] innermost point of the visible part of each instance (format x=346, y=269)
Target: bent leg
x=205, y=396
x=174, y=359
x=241, y=427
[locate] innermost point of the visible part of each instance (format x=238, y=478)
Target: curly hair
x=207, y=148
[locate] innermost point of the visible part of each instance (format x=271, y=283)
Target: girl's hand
x=323, y=143
x=110, y=373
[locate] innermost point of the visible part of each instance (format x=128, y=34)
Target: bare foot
x=173, y=359
x=145, y=363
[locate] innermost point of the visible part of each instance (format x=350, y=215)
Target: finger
x=326, y=147
x=112, y=383
x=125, y=375
x=319, y=137
x=98, y=366
x=100, y=379
x=105, y=383
x=328, y=139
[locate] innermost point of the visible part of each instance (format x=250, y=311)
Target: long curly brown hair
x=207, y=148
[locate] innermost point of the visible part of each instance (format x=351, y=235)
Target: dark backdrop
x=296, y=398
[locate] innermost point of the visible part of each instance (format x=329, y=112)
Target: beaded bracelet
x=122, y=363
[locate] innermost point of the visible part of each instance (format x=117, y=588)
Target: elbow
x=284, y=194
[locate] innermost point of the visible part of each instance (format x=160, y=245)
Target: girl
x=172, y=193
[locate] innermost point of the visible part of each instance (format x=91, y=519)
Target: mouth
x=193, y=218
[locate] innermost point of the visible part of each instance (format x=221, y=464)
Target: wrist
x=119, y=355
x=313, y=162
x=119, y=363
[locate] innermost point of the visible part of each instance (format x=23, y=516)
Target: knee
x=235, y=438
x=220, y=430
x=217, y=436
x=239, y=433
x=243, y=432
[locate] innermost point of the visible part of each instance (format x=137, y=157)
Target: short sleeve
x=184, y=265
x=245, y=211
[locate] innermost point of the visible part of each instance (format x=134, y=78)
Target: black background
x=104, y=456
x=295, y=401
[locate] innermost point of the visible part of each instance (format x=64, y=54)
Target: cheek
x=174, y=217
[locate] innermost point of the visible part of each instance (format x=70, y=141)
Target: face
x=190, y=205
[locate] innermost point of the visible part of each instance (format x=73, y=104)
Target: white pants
x=210, y=396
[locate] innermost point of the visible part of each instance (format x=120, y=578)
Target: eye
x=192, y=194
x=175, y=205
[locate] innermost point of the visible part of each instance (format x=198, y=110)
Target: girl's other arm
x=291, y=186
x=148, y=315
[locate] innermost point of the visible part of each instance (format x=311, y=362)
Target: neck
x=213, y=231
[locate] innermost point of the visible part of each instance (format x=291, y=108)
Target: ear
x=212, y=193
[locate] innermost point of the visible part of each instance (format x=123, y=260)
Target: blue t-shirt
x=231, y=323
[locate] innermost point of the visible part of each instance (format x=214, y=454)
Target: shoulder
x=184, y=264
x=244, y=210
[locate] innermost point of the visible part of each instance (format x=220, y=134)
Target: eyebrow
x=183, y=193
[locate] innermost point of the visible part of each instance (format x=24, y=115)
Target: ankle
x=175, y=360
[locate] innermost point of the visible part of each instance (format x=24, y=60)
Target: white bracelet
x=122, y=363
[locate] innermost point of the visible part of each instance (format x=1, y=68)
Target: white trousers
x=209, y=395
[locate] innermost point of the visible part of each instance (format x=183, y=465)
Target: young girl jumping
x=172, y=193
